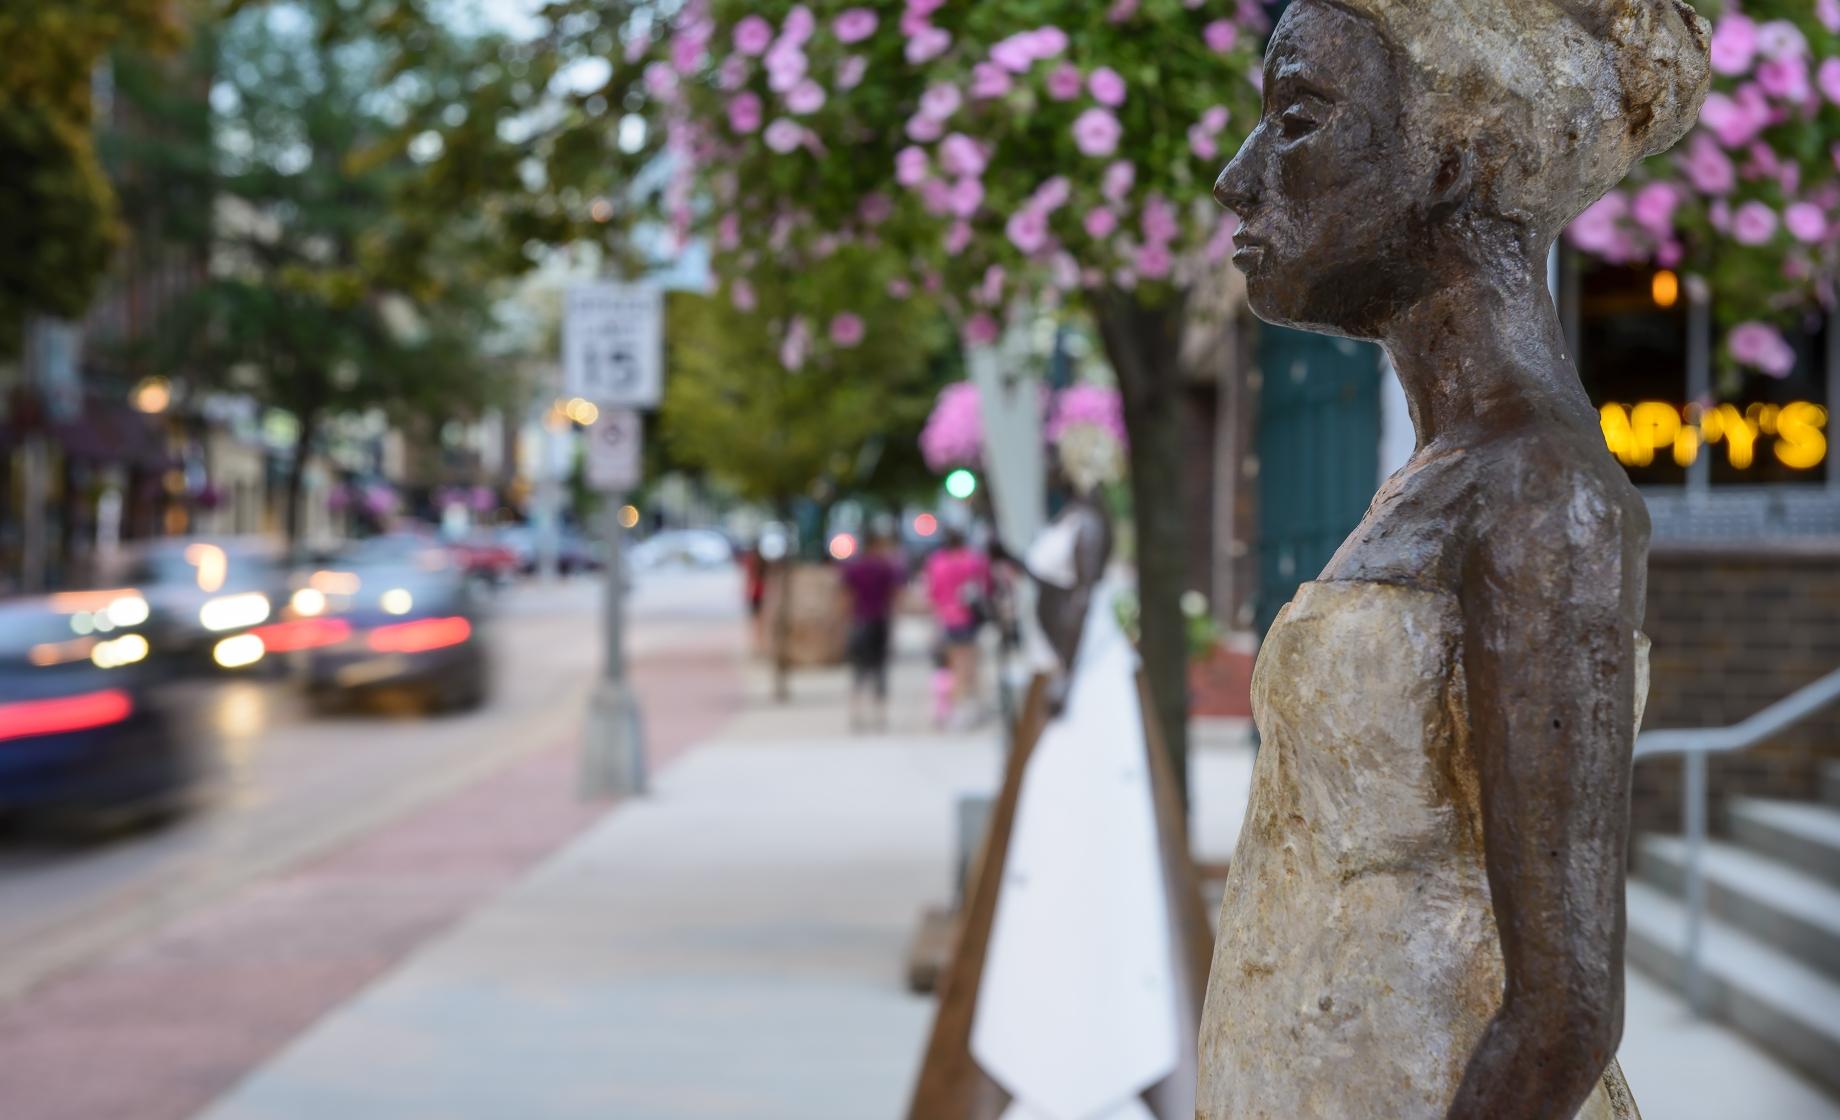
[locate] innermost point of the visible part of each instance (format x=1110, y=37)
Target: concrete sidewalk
x=733, y=947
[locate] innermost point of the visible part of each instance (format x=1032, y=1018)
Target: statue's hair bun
x=1559, y=98
x=1660, y=51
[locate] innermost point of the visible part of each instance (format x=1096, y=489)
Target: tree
x=330, y=292
x=779, y=406
x=57, y=213
x=1751, y=199
x=1006, y=157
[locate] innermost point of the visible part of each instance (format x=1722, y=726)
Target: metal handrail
x=1696, y=744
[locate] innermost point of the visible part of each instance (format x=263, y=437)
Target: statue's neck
x=1482, y=354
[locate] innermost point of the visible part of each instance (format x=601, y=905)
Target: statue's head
x=1405, y=139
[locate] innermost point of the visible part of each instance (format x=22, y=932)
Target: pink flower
x=728, y=232
x=1805, y=222
x=1738, y=118
x=1653, y=209
x=991, y=290
x=786, y=67
x=1827, y=76
x=1220, y=36
x=954, y=432
x=1052, y=194
x=1763, y=347
x=1159, y=221
x=1118, y=180
x=806, y=98
x=744, y=112
x=1121, y=10
x=900, y=288
x=1708, y=168
x=1828, y=12
x=1154, y=261
x=1096, y=132
x=1734, y=44
x=1028, y=230
x=1217, y=116
x=1064, y=82
x=661, y=81
x=1201, y=142
x=783, y=136
x=1048, y=42
x=936, y=196
x=800, y=23
x=958, y=238
x=848, y=330
x=796, y=346
x=1595, y=230
x=851, y=70
x=875, y=209
x=853, y=25
x=1753, y=223
x=924, y=129
x=1107, y=86
x=911, y=166
x=981, y=329
x=927, y=44
x=961, y=155
x=741, y=294
x=753, y=35
x=1100, y=223
x=1092, y=405
x=967, y=196
x=940, y=102
x=988, y=80
x=733, y=73
x=1781, y=39
x=1014, y=54
x=1785, y=79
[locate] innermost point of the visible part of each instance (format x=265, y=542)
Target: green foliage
x=775, y=429
x=57, y=214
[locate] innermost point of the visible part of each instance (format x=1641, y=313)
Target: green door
x=1319, y=454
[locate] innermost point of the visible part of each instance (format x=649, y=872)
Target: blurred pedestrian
x=958, y=585
x=873, y=579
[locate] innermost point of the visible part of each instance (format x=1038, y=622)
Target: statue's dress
x=1357, y=963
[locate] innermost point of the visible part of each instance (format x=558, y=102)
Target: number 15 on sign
x=613, y=344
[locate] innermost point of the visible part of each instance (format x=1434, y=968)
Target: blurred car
x=682, y=548
x=83, y=733
x=404, y=619
x=205, y=594
x=486, y=555
x=574, y=553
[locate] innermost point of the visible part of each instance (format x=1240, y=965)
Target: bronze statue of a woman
x=1424, y=917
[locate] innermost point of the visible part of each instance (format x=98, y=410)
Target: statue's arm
x=1548, y=659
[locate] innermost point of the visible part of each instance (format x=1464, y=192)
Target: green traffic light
x=961, y=484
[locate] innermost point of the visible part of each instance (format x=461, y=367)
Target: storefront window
x=1632, y=328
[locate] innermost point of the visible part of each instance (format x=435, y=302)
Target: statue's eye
x=1298, y=121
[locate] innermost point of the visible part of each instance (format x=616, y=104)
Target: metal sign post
x=612, y=354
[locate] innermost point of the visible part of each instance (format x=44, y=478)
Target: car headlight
x=308, y=602
x=234, y=612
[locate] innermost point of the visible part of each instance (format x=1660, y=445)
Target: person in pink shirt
x=958, y=586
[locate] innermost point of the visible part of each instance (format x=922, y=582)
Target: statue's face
x=1330, y=192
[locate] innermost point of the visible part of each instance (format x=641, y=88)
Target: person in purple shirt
x=873, y=579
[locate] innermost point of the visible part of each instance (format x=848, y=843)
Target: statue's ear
x=1455, y=179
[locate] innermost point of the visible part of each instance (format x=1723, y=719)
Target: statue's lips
x=1248, y=250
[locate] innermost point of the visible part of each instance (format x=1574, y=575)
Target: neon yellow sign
x=1795, y=433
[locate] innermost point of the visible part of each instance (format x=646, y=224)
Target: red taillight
x=421, y=635
x=66, y=713
x=303, y=633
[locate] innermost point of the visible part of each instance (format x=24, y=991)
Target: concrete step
x=1773, y=902
x=1830, y=783
x=1803, y=834
x=1789, y=1009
